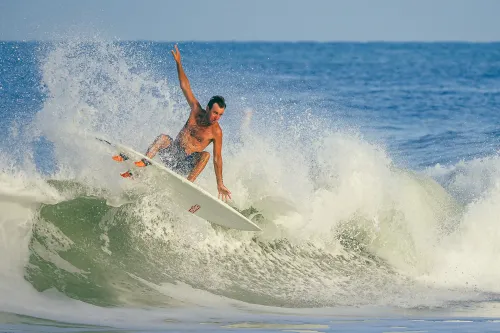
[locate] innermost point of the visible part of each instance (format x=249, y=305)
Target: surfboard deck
x=188, y=195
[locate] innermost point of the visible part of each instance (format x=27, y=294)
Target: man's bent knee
x=164, y=139
x=204, y=156
x=200, y=164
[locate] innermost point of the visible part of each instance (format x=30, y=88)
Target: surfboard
x=186, y=194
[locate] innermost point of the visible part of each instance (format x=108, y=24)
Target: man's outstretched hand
x=176, y=54
x=224, y=193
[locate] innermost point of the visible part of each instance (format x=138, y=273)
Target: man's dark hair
x=217, y=99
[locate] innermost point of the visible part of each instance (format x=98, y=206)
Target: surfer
x=185, y=155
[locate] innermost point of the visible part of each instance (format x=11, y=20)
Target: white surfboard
x=189, y=196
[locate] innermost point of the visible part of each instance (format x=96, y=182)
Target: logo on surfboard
x=194, y=208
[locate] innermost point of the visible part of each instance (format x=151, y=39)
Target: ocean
x=375, y=168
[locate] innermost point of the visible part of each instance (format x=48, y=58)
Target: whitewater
x=363, y=219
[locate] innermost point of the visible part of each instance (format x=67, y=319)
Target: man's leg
x=200, y=163
x=162, y=141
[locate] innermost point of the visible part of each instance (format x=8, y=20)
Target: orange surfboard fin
x=142, y=163
x=120, y=157
x=126, y=174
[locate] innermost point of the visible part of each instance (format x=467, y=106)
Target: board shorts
x=175, y=158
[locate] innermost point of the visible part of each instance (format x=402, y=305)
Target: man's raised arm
x=183, y=80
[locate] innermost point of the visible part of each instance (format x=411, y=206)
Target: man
x=185, y=155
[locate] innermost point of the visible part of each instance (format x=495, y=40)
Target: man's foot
x=120, y=157
x=142, y=163
x=126, y=174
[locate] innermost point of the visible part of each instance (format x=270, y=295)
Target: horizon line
x=456, y=41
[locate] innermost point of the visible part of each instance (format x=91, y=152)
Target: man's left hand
x=224, y=193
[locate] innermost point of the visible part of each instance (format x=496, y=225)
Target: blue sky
x=266, y=20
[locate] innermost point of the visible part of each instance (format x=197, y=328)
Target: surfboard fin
x=142, y=163
x=126, y=174
x=120, y=157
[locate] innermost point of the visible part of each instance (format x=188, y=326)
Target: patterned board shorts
x=176, y=159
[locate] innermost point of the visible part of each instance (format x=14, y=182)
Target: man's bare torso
x=197, y=133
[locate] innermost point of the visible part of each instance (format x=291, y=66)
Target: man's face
x=215, y=113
